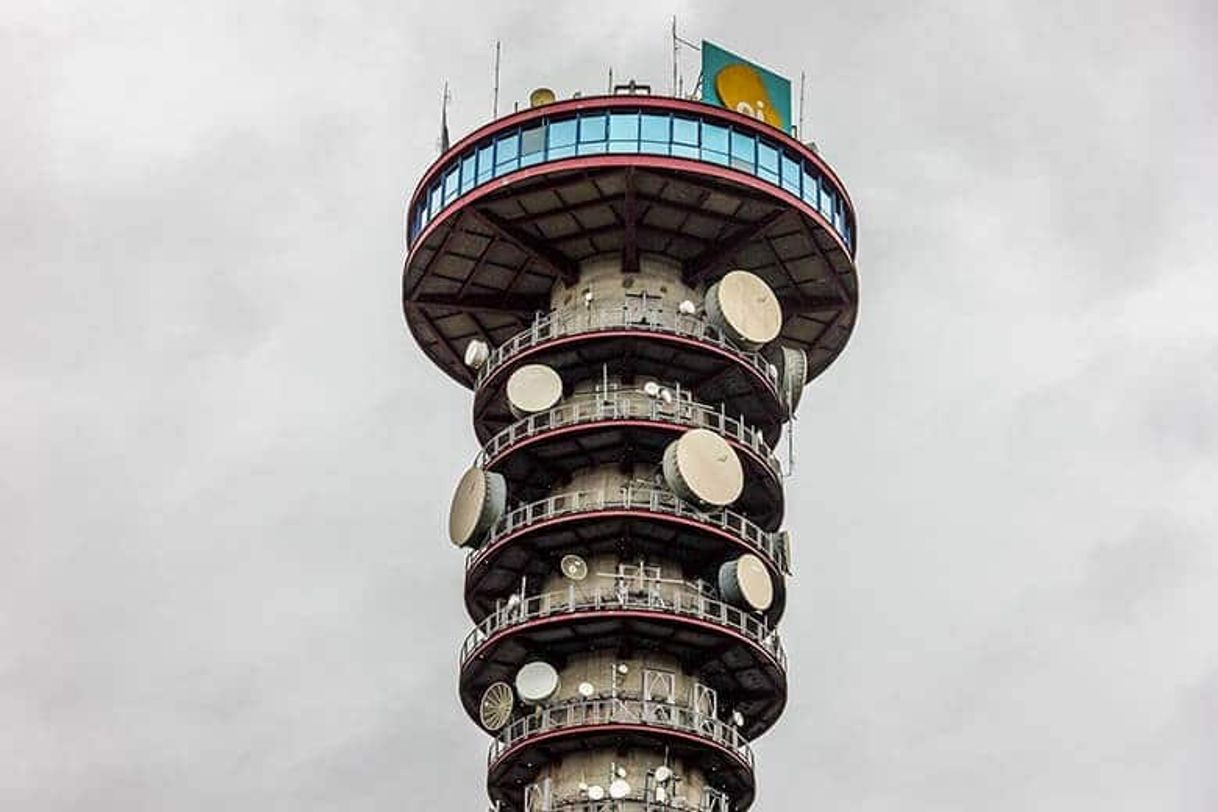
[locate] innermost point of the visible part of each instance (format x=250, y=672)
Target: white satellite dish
x=744, y=307
x=701, y=467
x=687, y=307
x=737, y=718
x=666, y=396
x=791, y=370
x=587, y=690
x=651, y=389
x=622, y=668
x=663, y=773
x=479, y=502
x=476, y=353
x=533, y=388
x=619, y=789
x=536, y=682
x=621, y=772
x=574, y=567
x=495, y=709
x=747, y=583
x=596, y=793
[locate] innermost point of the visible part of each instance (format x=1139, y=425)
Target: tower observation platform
x=636, y=289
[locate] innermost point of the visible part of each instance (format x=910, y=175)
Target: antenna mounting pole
x=495, y=92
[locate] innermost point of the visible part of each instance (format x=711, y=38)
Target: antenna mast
x=495, y=92
x=803, y=78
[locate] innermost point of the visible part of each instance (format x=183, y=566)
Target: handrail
x=620, y=710
x=557, y=324
x=683, y=599
x=632, y=497
x=624, y=405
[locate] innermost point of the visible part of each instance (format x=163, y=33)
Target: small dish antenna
x=663, y=773
x=621, y=772
x=476, y=353
x=574, y=567
x=651, y=389
x=622, y=668
x=536, y=682
x=586, y=690
x=619, y=789
x=737, y=718
x=687, y=307
x=666, y=396
x=495, y=709
x=541, y=96
x=596, y=793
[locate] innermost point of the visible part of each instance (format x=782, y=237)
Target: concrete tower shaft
x=637, y=290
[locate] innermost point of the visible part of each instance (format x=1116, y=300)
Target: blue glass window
x=624, y=132
x=486, y=163
x=468, y=173
x=507, y=152
x=744, y=149
x=592, y=133
x=810, y=189
x=767, y=162
x=436, y=203
x=790, y=174
x=684, y=137
x=532, y=145
x=714, y=143
x=452, y=184
x=562, y=139
x=654, y=133
x=826, y=202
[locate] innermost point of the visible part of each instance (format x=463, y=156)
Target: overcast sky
x=224, y=578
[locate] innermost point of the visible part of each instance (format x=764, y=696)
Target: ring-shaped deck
x=732, y=651
x=537, y=453
x=552, y=731
x=530, y=540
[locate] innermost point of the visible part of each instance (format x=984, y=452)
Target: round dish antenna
x=596, y=793
x=701, y=467
x=663, y=773
x=533, y=388
x=619, y=789
x=495, y=709
x=687, y=307
x=651, y=389
x=574, y=567
x=737, y=718
x=476, y=353
x=479, y=502
x=744, y=307
x=587, y=690
x=540, y=96
x=536, y=682
x=746, y=583
x=791, y=364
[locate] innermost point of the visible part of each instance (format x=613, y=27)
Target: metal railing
x=557, y=324
x=626, y=405
x=682, y=599
x=634, y=498
x=617, y=711
x=628, y=804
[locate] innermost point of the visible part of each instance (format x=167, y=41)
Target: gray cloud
x=224, y=582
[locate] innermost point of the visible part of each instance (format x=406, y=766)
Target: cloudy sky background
x=224, y=580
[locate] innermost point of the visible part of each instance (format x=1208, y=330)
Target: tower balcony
x=732, y=650
x=528, y=541
x=721, y=751
x=538, y=451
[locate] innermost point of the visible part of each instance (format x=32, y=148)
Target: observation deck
x=515, y=207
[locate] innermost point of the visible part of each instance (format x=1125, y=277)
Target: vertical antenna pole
x=803, y=78
x=675, y=47
x=495, y=97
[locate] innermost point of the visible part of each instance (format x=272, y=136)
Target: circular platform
x=529, y=541
x=520, y=203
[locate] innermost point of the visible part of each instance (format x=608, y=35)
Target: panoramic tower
x=636, y=288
